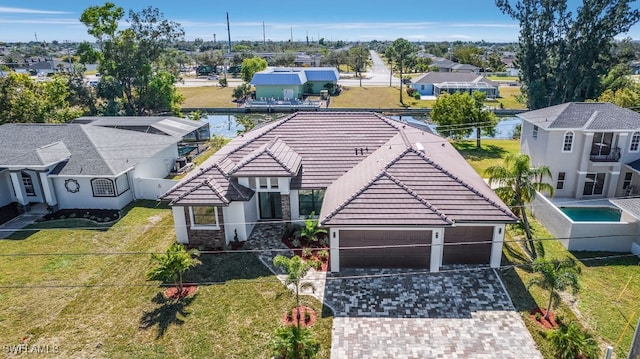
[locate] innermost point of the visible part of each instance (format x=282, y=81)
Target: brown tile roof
x=371, y=166
x=401, y=185
x=275, y=158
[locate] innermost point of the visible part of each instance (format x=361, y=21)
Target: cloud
x=40, y=21
x=17, y=10
x=497, y=25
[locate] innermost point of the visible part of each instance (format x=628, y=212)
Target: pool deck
x=595, y=202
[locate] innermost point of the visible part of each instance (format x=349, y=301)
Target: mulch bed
x=304, y=322
x=187, y=290
x=97, y=215
x=315, y=249
x=549, y=324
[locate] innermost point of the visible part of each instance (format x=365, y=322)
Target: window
x=274, y=182
x=594, y=184
x=206, y=217
x=27, y=182
x=560, y=184
x=535, y=132
x=122, y=184
x=602, y=143
x=310, y=201
x=568, y=142
x=627, y=180
x=263, y=182
x=635, y=142
x=103, y=187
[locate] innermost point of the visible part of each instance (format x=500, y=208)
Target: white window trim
x=631, y=143
x=564, y=141
x=534, y=134
x=270, y=187
x=203, y=226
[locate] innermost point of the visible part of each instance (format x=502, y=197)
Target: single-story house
x=81, y=166
x=436, y=83
x=293, y=83
x=390, y=195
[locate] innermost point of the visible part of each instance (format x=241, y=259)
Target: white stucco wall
x=234, y=220
x=151, y=188
x=84, y=197
x=159, y=165
x=250, y=214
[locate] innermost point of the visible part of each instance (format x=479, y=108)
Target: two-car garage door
x=412, y=249
x=396, y=249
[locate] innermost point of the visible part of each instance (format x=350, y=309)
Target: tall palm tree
x=554, y=276
x=518, y=184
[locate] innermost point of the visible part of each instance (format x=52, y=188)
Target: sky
x=281, y=20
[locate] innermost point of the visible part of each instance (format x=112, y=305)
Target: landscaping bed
x=96, y=215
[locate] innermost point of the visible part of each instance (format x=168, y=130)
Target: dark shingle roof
x=90, y=150
x=372, y=173
x=584, y=115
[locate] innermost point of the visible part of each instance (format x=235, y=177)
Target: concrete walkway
x=23, y=220
x=461, y=312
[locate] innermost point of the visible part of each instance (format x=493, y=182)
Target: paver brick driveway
x=458, y=313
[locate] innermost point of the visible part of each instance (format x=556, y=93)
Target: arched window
x=103, y=187
x=567, y=145
x=635, y=142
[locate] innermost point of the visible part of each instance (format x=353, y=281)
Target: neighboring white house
x=82, y=166
x=436, y=83
x=373, y=181
x=593, y=151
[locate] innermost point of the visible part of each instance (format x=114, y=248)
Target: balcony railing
x=612, y=156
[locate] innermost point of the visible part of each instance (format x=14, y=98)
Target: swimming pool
x=185, y=150
x=592, y=214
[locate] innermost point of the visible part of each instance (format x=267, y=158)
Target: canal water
x=228, y=125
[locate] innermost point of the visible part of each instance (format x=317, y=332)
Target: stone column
x=286, y=206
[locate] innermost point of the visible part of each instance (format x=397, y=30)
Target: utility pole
x=291, y=34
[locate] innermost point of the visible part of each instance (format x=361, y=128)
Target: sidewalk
x=23, y=220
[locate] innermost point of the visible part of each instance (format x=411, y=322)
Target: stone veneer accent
x=205, y=238
x=285, y=200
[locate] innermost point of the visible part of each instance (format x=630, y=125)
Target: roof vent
x=420, y=147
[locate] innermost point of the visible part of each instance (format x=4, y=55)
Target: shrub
x=570, y=342
x=411, y=91
x=323, y=254
x=416, y=95
x=296, y=243
x=306, y=252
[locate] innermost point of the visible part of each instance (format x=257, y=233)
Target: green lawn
x=101, y=305
x=609, y=293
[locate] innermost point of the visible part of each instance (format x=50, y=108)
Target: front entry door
x=270, y=205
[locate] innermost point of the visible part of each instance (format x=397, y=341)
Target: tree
x=401, y=53
x=252, y=65
x=459, y=113
x=241, y=92
x=296, y=269
x=293, y=342
x=284, y=59
x=562, y=56
x=133, y=63
x=311, y=229
x=624, y=97
x=569, y=342
x=495, y=63
x=87, y=54
x=517, y=185
x=212, y=58
x=172, y=265
x=554, y=276
x=358, y=60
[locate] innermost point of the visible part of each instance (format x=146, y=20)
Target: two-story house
x=591, y=148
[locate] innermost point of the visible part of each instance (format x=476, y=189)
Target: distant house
x=390, y=195
x=446, y=65
x=293, y=83
x=81, y=166
x=183, y=129
x=436, y=83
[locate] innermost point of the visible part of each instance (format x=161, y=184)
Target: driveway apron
x=460, y=312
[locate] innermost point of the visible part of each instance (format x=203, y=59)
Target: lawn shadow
x=166, y=313
x=599, y=258
x=229, y=265
x=469, y=150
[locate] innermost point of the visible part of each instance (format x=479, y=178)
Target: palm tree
x=554, y=276
x=311, y=229
x=518, y=184
x=569, y=342
x=292, y=342
x=171, y=265
x=296, y=269
x=401, y=51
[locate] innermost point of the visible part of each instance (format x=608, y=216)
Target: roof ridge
x=278, y=161
x=415, y=195
x=353, y=196
x=99, y=153
x=208, y=183
x=461, y=182
x=276, y=124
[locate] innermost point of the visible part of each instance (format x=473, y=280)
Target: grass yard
x=367, y=97
x=207, y=96
x=607, y=300
x=101, y=306
x=509, y=98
